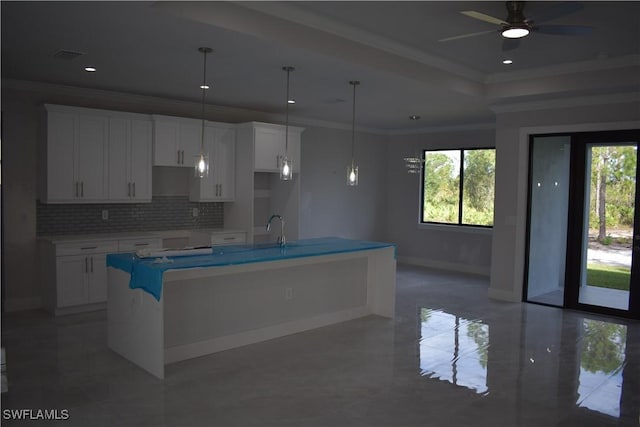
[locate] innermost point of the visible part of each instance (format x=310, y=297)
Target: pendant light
x=201, y=163
x=352, y=169
x=286, y=169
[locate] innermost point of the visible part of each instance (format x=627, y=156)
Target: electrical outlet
x=105, y=214
x=288, y=294
x=195, y=212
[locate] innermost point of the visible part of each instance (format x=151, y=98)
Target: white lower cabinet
x=78, y=271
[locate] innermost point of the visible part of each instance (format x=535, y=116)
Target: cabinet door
x=165, y=143
x=269, y=147
x=72, y=280
x=190, y=140
x=119, y=183
x=140, y=160
x=91, y=160
x=97, y=287
x=226, y=163
x=61, y=137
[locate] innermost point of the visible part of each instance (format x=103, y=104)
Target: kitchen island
x=163, y=310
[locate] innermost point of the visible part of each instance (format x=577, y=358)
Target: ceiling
x=392, y=47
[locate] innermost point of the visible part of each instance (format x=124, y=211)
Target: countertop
x=146, y=273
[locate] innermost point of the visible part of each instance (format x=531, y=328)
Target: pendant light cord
x=353, y=122
x=286, y=131
x=204, y=84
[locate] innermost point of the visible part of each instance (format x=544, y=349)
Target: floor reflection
x=454, y=349
x=602, y=360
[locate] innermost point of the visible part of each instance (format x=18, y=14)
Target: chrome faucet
x=282, y=241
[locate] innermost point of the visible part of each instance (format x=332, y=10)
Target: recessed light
x=507, y=61
x=90, y=69
x=291, y=101
x=204, y=86
x=414, y=117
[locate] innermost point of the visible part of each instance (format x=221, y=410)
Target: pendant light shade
x=201, y=162
x=286, y=168
x=352, y=169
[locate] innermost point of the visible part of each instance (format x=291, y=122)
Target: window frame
x=459, y=224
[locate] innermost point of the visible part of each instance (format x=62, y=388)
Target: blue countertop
x=146, y=273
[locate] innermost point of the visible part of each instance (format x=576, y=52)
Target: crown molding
x=442, y=129
x=581, y=101
x=568, y=68
x=243, y=115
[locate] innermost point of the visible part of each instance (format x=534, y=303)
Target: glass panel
x=441, y=186
x=549, y=193
x=609, y=211
x=478, y=187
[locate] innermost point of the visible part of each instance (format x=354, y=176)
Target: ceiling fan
x=517, y=26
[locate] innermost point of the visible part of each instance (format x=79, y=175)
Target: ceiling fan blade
x=464, y=36
x=558, y=10
x=564, y=30
x=481, y=16
x=510, y=44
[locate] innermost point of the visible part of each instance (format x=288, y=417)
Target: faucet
x=282, y=241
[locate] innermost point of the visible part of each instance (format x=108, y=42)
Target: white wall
x=459, y=248
x=512, y=150
x=328, y=207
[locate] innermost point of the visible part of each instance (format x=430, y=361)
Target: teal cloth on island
x=146, y=273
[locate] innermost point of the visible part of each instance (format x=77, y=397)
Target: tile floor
x=451, y=357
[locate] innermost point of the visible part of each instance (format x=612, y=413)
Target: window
x=458, y=186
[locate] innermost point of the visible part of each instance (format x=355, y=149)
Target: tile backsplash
x=163, y=213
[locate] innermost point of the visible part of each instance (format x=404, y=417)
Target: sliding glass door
x=584, y=228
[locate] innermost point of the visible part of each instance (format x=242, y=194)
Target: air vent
x=67, y=54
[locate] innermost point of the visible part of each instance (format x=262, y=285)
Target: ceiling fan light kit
x=517, y=26
x=515, y=32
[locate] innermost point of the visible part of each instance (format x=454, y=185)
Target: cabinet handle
x=134, y=189
x=76, y=188
x=140, y=244
x=178, y=161
x=88, y=247
x=128, y=189
x=182, y=161
x=86, y=267
x=278, y=162
x=81, y=188
x=92, y=264
x=229, y=238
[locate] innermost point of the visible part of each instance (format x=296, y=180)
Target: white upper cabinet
x=96, y=156
x=219, y=185
x=75, y=156
x=176, y=141
x=130, y=145
x=270, y=144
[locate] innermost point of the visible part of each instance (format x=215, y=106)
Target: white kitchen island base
x=210, y=309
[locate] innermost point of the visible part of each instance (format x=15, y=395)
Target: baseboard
x=501, y=295
x=450, y=266
x=21, y=304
